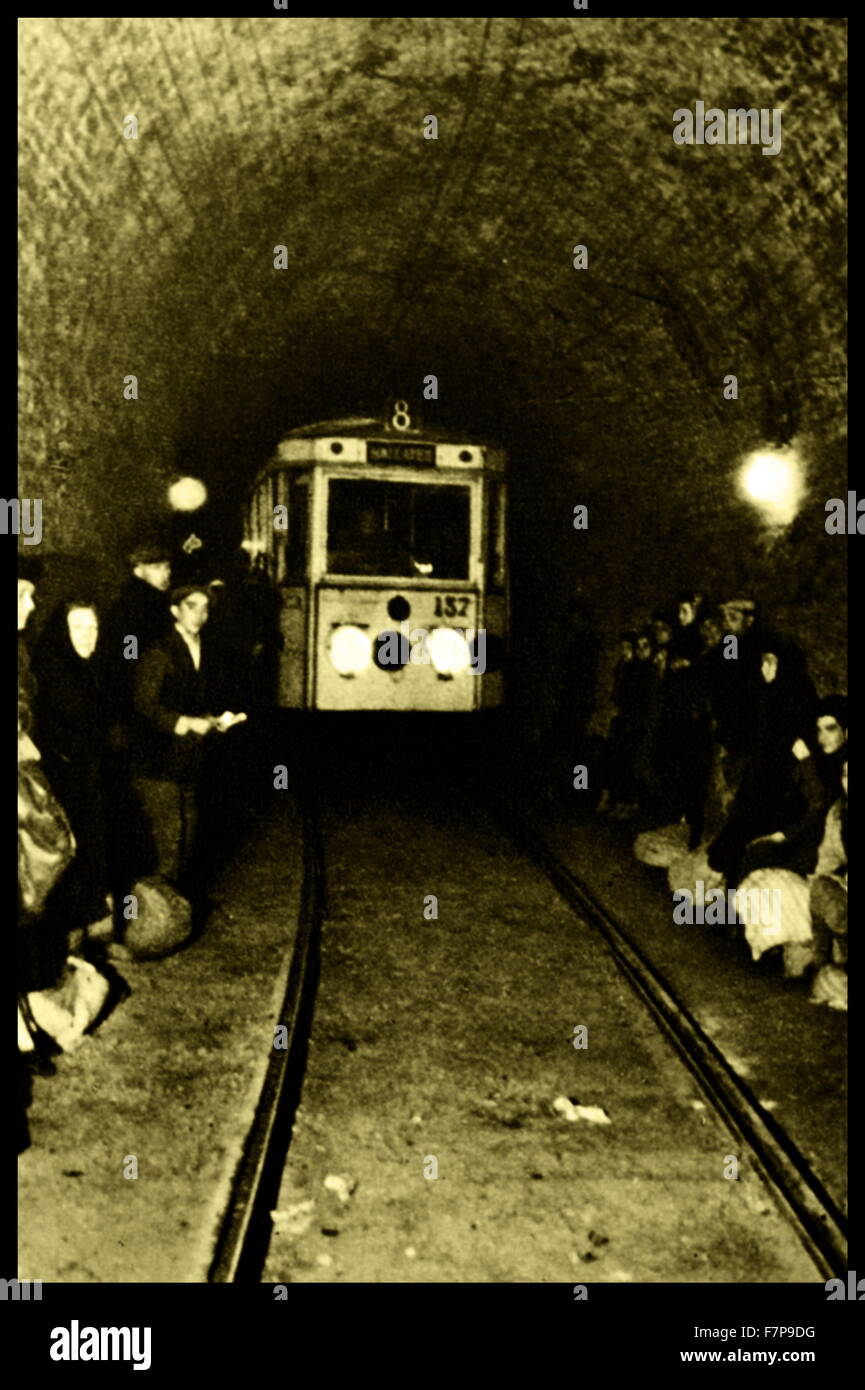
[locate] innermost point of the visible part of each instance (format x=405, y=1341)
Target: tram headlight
x=448, y=651
x=350, y=650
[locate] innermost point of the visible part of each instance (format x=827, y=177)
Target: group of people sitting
x=721, y=750
x=116, y=713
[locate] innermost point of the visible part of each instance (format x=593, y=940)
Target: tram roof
x=450, y=446
x=362, y=427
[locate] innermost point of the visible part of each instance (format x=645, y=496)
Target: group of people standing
x=116, y=713
x=718, y=732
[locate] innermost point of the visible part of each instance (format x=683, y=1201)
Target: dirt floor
x=435, y=1139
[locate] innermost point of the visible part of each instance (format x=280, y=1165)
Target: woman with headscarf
x=61, y=996
x=71, y=721
x=631, y=746
x=647, y=688
x=831, y=717
x=770, y=793
x=687, y=644
x=816, y=773
x=657, y=757
x=686, y=732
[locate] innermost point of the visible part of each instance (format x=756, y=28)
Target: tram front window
x=411, y=530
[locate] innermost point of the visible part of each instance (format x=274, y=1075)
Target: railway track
x=245, y=1231
x=821, y=1226
x=795, y=1189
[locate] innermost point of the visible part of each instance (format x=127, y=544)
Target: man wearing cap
x=740, y=673
x=173, y=699
x=137, y=619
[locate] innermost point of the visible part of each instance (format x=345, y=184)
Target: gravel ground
x=427, y=1146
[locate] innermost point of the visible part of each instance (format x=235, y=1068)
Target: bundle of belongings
x=162, y=920
x=662, y=846
x=773, y=904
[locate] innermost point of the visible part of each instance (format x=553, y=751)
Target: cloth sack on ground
x=163, y=923
x=660, y=847
x=69, y=1008
x=688, y=870
x=46, y=844
x=830, y=987
x=773, y=904
x=798, y=955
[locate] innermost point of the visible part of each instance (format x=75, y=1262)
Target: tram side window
x=411, y=530
x=295, y=550
x=277, y=497
x=495, y=556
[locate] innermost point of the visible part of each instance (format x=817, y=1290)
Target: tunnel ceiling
x=409, y=256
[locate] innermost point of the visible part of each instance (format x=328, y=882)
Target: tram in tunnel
x=417, y=927
x=386, y=544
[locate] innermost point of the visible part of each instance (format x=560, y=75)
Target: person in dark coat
x=613, y=763
x=623, y=738
x=655, y=759
x=832, y=743
x=644, y=683
x=740, y=681
x=71, y=721
x=243, y=645
x=138, y=618
x=685, y=738
x=769, y=794
x=578, y=661
x=243, y=633
x=27, y=941
x=176, y=693
x=717, y=689
x=713, y=696
x=816, y=774
x=41, y=952
x=687, y=644
x=42, y=939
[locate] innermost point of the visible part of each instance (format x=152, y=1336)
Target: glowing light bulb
x=187, y=494
x=773, y=482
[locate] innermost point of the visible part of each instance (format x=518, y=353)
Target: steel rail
x=244, y=1235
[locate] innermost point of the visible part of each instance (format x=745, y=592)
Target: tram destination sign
x=400, y=451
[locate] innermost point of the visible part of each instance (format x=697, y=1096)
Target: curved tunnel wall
x=154, y=256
